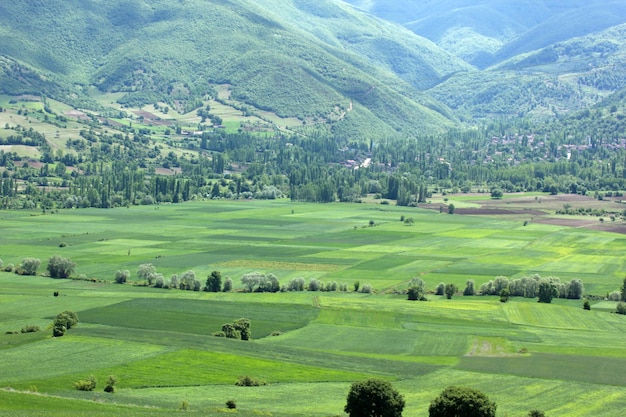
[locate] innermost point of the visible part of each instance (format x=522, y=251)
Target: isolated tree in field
x=374, y=398
x=121, y=276
x=623, y=290
x=547, y=291
x=28, y=266
x=586, y=305
x=214, y=282
x=146, y=272
x=451, y=208
x=59, y=267
x=497, y=193
x=462, y=402
x=450, y=290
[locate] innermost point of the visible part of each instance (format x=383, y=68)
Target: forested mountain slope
x=313, y=60
x=487, y=32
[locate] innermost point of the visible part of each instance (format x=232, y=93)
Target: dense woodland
x=585, y=154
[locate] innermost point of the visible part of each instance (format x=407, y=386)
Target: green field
x=555, y=357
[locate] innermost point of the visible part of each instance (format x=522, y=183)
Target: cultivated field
x=308, y=346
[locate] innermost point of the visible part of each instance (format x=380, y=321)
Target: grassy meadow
x=307, y=346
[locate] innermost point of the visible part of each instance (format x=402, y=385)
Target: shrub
x=110, y=385
x=366, y=289
x=231, y=404
x=9, y=268
x=621, y=308
x=30, y=329
x=586, y=305
x=88, y=384
x=247, y=381
x=121, y=276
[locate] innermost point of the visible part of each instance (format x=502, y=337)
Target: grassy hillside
x=294, y=59
x=307, y=346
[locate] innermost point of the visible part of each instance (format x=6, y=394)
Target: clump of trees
x=374, y=398
x=63, y=322
x=147, y=272
x=239, y=329
x=30, y=328
x=299, y=284
x=462, y=402
x=417, y=290
x=59, y=267
x=259, y=282
x=535, y=286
